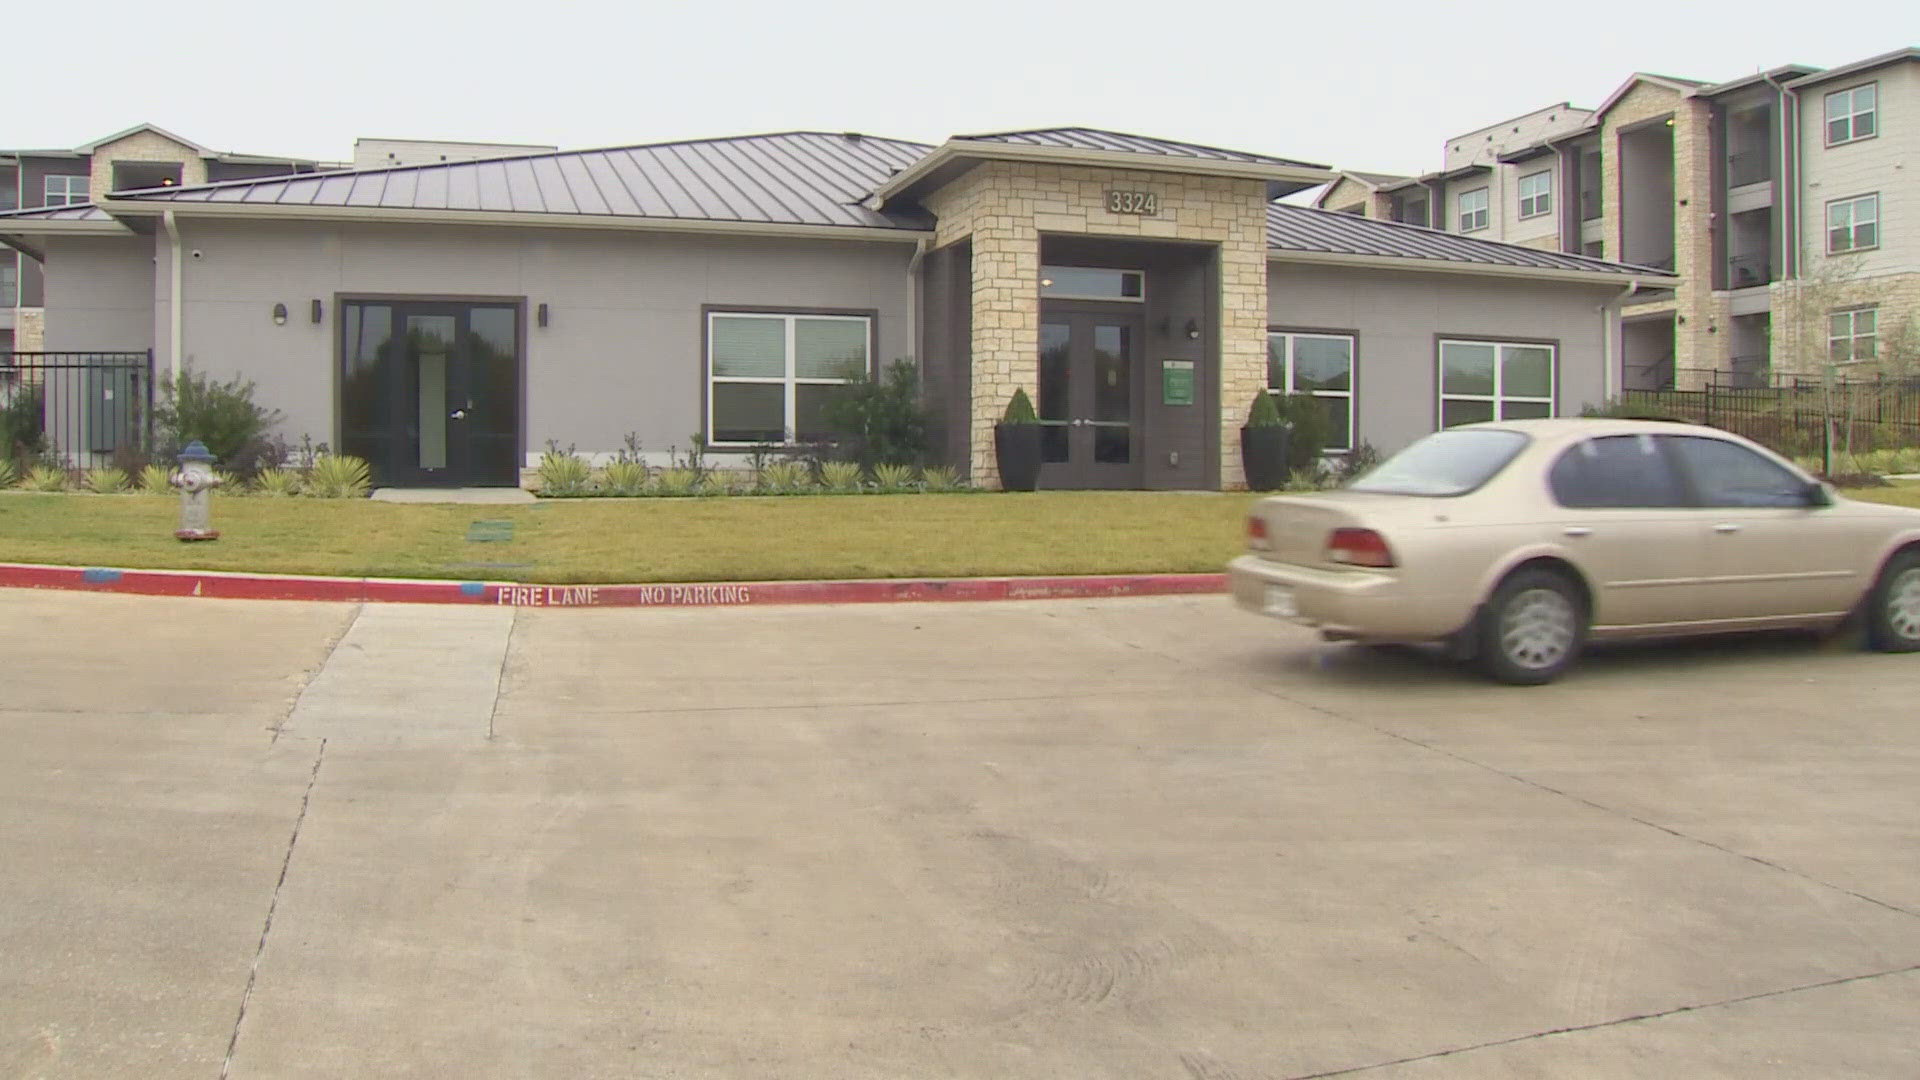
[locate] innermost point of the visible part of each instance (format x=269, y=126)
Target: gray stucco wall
x=621, y=353
x=1396, y=318
x=104, y=287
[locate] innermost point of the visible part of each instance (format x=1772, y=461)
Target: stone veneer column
x=30, y=330
x=1005, y=207
x=143, y=146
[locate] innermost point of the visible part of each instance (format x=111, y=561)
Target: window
x=66, y=190
x=9, y=281
x=1853, y=224
x=1853, y=335
x=1728, y=474
x=1321, y=365
x=1091, y=283
x=1615, y=472
x=1473, y=210
x=1536, y=194
x=1493, y=380
x=9, y=197
x=1445, y=463
x=1852, y=114
x=771, y=376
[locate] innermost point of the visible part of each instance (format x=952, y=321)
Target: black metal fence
x=1792, y=416
x=75, y=409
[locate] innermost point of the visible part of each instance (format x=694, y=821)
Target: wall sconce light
x=279, y=314
x=1681, y=319
x=318, y=312
x=540, y=316
x=1193, y=330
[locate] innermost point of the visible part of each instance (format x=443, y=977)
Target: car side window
x=1728, y=474
x=1616, y=472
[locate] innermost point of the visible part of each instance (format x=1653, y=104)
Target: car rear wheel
x=1532, y=628
x=1893, y=608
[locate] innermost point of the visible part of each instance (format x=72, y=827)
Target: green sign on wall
x=1176, y=382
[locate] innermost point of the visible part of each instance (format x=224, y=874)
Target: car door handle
x=1578, y=530
x=1726, y=527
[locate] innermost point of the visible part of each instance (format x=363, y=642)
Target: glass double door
x=430, y=392
x=1089, y=426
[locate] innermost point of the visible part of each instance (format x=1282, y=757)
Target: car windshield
x=1444, y=463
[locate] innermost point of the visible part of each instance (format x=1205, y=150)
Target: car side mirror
x=1817, y=495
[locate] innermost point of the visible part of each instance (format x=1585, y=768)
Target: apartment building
x=1783, y=201
x=139, y=157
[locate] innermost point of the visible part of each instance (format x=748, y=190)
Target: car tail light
x=1256, y=531
x=1359, y=547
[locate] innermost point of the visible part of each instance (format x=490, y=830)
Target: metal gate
x=75, y=408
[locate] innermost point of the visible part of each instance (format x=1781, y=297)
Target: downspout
x=913, y=304
x=175, y=337
x=1787, y=182
x=1609, y=314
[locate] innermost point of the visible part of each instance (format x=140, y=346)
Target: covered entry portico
x=1137, y=390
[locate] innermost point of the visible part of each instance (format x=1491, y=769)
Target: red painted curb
x=494, y=593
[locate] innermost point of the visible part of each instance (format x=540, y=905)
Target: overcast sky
x=1375, y=86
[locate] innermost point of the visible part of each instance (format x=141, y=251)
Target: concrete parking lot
x=1119, y=838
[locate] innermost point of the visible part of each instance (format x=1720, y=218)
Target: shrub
x=9, y=475
x=277, y=482
x=1263, y=412
x=563, y=473
x=107, y=480
x=1356, y=463
x=1308, y=418
x=881, y=421
x=893, y=477
x=338, y=476
x=23, y=424
x=231, y=483
x=1019, y=409
x=940, y=478
x=155, y=480
x=624, y=476
x=677, y=481
x=47, y=478
x=1307, y=479
x=222, y=415
x=786, y=477
x=840, y=476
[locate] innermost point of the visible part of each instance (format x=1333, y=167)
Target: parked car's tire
x=1893, y=607
x=1532, y=628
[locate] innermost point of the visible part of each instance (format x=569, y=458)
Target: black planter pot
x=1017, y=447
x=1263, y=454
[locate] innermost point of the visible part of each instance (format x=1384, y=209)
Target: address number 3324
x=1133, y=202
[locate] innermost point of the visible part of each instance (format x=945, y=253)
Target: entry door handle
x=1726, y=527
x=458, y=414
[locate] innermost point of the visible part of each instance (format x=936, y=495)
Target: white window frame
x=68, y=195
x=1853, y=204
x=1852, y=115
x=1853, y=337
x=1482, y=212
x=1539, y=203
x=1353, y=376
x=789, y=381
x=1499, y=397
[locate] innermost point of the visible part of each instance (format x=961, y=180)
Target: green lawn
x=1900, y=494
x=586, y=541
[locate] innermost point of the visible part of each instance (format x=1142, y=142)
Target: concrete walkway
x=465, y=496
x=1122, y=838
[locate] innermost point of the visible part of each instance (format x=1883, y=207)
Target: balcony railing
x=1749, y=167
x=1746, y=271
x=1591, y=205
x=1751, y=371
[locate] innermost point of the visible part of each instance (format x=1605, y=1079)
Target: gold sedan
x=1516, y=542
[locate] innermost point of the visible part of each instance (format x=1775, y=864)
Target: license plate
x=1280, y=603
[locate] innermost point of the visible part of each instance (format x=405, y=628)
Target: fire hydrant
x=196, y=482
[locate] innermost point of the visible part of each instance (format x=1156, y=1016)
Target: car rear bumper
x=1356, y=604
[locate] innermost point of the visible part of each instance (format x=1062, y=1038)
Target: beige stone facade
x=29, y=330
x=1005, y=207
x=1800, y=321
x=1347, y=193
x=143, y=146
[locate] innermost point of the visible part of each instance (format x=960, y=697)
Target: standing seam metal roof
x=1306, y=229
x=799, y=178
x=1119, y=142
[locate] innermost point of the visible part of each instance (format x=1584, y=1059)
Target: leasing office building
x=447, y=320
